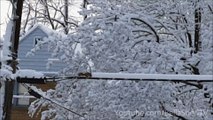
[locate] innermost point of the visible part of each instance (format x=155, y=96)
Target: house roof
x=37, y=26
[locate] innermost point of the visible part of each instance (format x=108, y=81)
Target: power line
x=163, y=78
x=36, y=94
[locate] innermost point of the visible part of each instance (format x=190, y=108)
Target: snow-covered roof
x=45, y=29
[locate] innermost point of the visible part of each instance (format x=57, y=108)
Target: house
x=36, y=62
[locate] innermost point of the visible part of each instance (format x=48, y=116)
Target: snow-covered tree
x=8, y=58
x=162, y=37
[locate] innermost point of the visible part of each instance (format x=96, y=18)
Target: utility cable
x=37, y=95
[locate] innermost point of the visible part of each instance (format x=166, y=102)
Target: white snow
x=42, y=27
x=6, y=43
x=23, y=96
x=29, y=73
x=113, y=45
x=153, y=76
x=4, y=73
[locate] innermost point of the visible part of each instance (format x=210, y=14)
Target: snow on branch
x=40, y=94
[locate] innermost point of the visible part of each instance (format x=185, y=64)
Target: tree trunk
x=197, y=40
x=85, y=3
x=9, y=84
x=66, y=9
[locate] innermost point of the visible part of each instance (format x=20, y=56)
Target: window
x=37, y=39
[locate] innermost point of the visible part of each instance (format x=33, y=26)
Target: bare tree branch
x=153, y=30
x=171, y=113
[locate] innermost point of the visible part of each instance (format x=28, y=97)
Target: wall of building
x=39, y=60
